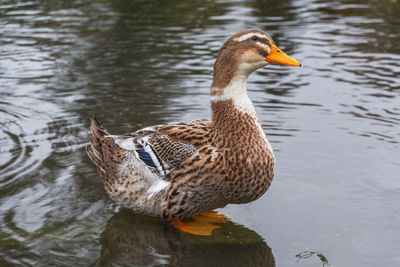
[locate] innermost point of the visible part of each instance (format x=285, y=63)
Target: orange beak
x=277, y=56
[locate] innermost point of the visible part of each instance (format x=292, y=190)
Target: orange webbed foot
x=202, y=224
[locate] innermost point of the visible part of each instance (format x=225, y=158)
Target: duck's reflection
x=132, y=239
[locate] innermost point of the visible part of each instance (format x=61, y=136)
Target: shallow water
x=334, y=125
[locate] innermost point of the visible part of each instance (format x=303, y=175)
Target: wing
x=164, y=147
x=195, y=132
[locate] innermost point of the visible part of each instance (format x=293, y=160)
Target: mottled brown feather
x=169, y=151
x=231, y=167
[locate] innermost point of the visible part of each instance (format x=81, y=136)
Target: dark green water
x=334, y=125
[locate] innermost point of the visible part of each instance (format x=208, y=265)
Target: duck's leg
x=214, y=217
x=202, y=224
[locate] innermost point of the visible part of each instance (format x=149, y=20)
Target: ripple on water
x=349, y=61
x=22, y=148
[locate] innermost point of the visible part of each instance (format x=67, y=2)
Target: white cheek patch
x=251, y=61
x=249, y=56
x=249, y=35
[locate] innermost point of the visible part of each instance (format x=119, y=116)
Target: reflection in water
x=132, y=239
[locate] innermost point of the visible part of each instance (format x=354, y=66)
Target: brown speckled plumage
x=234, y=165
x=202, y=164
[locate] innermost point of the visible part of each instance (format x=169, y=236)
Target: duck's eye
x=254, y=38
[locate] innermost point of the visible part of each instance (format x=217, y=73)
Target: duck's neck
x=234, y=94
x=233, y=113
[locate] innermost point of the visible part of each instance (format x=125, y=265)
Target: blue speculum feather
x=145, y=157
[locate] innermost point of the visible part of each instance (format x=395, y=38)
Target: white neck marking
x=236, y=91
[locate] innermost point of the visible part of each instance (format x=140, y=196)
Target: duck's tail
x=126, y=179
x=95, y=151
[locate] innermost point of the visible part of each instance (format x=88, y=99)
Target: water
x=334, y=125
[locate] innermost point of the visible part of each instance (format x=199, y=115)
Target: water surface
x=334, y=125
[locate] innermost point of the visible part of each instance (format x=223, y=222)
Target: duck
x=183, y=171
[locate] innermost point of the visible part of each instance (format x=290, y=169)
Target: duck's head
x=245, y=52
